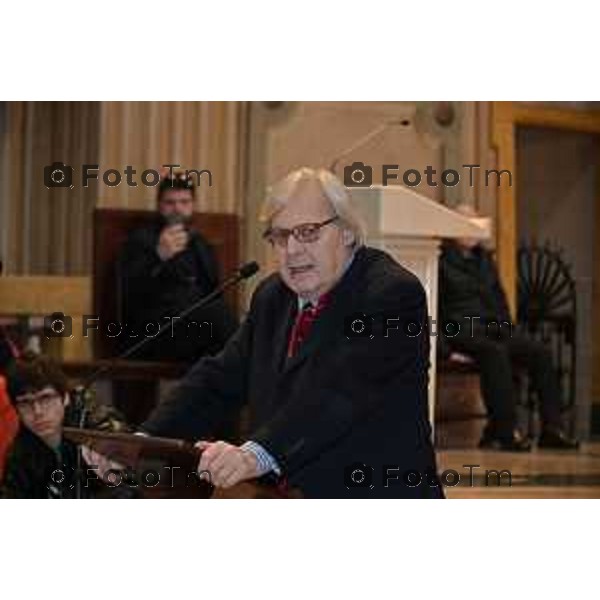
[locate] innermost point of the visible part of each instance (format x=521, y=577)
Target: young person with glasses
x=41, y=463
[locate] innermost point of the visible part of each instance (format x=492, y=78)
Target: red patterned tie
x=304, y=321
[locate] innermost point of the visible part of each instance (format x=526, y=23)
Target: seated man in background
x=164, y=269
x=39, y=455
x=471, y=295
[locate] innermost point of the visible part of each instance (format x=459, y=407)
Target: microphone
x=244, y=272
x=248, y=270
x=404, y=122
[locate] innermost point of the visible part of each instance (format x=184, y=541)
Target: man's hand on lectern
x=226, y=463
x=102, y=465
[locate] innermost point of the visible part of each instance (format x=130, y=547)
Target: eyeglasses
x=43, y=400
x=304, y=233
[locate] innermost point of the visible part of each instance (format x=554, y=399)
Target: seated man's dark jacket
x=469, y=286
x=338, y=401
x=151, y=289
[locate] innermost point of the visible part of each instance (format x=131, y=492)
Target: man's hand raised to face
x=173, y=240
x=226, y=463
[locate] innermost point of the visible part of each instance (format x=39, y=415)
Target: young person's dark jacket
x=34, y=470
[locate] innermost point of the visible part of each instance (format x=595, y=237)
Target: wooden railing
x=39, y=296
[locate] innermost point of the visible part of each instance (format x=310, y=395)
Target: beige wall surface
x=48, y=231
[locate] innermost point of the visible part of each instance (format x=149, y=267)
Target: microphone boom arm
x=244, y=272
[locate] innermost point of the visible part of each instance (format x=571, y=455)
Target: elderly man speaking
x=329, y=359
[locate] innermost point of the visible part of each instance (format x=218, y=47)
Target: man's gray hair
x=334, y=190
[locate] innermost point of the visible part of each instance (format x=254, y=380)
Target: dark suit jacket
x=338, y=401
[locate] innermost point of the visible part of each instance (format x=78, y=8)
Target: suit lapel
x=283, y=330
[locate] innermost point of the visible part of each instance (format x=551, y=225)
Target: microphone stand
x=78, y=402
x=78, y=394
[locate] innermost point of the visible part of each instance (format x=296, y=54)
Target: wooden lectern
x=163, y=467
